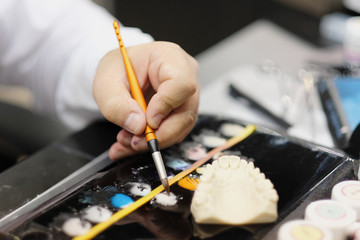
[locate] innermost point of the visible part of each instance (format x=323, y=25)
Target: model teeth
x=234, y=162
x=243, y=163
x=232, y=191
x=224, y=163
x=260, y=176
x=206, y=177
x=251, y=166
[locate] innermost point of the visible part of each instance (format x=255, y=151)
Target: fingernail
x=132, y=122
x=126, y=140
x=157, y=119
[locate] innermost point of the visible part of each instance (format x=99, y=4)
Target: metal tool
x=57, y=192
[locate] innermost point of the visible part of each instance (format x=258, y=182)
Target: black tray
x=300, y=171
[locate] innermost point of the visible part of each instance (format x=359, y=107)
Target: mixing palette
x=301, y=173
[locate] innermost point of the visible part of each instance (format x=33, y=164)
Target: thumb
x=113, y=97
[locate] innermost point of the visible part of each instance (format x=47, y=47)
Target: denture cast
x=232, y=191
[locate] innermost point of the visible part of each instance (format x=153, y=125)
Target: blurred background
x=197, y=25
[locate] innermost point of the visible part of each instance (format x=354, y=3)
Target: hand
x=168, y=78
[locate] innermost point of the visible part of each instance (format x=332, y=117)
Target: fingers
x=168, y=78
x=127, y=144
x=178, y=124
x=110, y=90
x=171, y=131
x=175, y=82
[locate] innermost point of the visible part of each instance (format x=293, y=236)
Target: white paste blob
x=75, y=227
x=195, y=153
x=139, y=189
x=231, y=129
x=97, y=214
x=165, y=199
x=212, y=141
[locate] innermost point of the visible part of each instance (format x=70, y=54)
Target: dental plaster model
x=232, y=191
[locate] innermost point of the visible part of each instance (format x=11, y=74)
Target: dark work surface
x=25, y=180
x=301, y=172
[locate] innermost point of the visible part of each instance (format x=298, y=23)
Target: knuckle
x=166, y=103
x=189, y=87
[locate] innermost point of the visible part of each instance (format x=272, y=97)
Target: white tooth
x=260, y=177
x=215, y=163
x=243, y=163
x=234, y=161
x=268, y=184
x=251, y=166
x=273, y=196
x=224, y=162
x=210, y=167
x=234, y=195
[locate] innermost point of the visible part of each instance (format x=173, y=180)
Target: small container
x=334, y=215
x=304, y=230
x=348, y=192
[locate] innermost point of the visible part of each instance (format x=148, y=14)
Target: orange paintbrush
x=137, y=94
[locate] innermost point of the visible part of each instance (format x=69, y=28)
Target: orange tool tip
x=189, y=183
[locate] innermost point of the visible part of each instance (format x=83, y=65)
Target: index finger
x=173, y=75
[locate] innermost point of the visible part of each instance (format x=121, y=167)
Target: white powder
x=97, y=214
x=165, y=199
x=230, y=129
x=75, y=227
x=212, y=141
x=139, y=189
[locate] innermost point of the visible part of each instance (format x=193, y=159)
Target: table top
x=235, y=59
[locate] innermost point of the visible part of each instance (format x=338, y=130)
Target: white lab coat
x=53, y=48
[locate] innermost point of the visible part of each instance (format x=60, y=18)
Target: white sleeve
x=53, y=48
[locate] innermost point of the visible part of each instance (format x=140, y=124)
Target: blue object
x=120, y=200
x=177, y=164
x=349, y=92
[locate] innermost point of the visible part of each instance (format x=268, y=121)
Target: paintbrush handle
x=133, y=81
